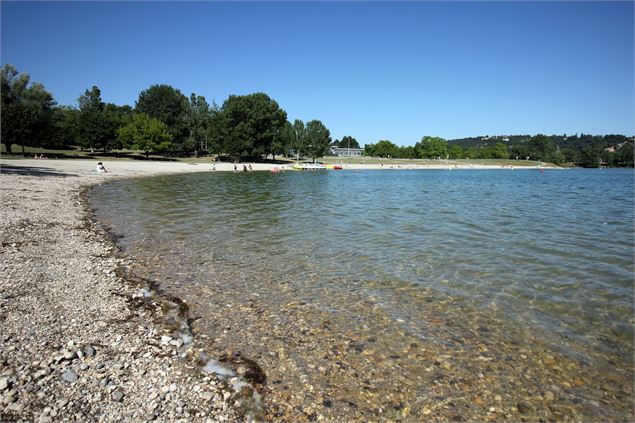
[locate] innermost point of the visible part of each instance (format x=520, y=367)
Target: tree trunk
x=23, y=152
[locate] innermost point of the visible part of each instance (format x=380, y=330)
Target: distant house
x=347, y=152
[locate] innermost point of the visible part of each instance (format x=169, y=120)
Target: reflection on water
x=403, y=294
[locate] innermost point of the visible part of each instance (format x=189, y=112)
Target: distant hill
x=583, y=149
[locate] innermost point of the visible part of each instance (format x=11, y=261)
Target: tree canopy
x=27, y=111
x=147, y=134
x=249, y=124
x=317, y=139
x=171, y=107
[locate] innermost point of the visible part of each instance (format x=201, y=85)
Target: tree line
x=162, y=121
x=584, y=150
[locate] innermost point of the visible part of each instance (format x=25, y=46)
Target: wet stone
x=524, y=407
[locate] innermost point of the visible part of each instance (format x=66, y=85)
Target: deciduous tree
x=146, y=134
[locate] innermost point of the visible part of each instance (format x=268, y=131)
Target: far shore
x=125, y=168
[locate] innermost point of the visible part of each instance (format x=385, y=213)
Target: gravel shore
x=79, y=342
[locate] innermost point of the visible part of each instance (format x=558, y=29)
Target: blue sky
x=372, y=70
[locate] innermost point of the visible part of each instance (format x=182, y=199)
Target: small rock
x=206, y=396
x=83, y=366
x=70, y=376
x=550, y=396
x=69, y=355
x=524, y=407
x=89, y=351
x=117, y=396
x=44, y=418
x=327, y=403
x=165, y=340
x=4, y=383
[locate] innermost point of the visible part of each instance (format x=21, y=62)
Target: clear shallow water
x=531, y=264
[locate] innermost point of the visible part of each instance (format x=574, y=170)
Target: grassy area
x=77, y=153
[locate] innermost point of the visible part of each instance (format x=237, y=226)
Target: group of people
x=246, y=168
x=41, y=156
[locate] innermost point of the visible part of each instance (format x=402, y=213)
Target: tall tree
x=64, y=125
x=541, y=147
x=283, y=140
x=26, y=110
x=383, y=148
x=170, y=106
x=250, y=124
x=318, y=139
x=146, y=134
x=96, y=124
x=199, y=123
x=431, y=148
x=298, y=137
x=348, y=142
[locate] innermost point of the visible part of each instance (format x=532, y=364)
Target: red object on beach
x=275, y=170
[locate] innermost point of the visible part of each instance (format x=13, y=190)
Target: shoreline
x=129, y=168
x=79, y=341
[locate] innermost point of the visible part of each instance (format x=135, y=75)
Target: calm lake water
x=451, y=295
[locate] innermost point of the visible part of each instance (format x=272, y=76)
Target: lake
x=401, y=294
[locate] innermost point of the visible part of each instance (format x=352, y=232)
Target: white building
x=347, y=152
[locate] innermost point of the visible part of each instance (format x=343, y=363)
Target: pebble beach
x=78, y=342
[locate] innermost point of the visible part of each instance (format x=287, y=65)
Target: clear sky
x=372, y=70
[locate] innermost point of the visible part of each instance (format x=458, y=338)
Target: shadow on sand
x=32, y=171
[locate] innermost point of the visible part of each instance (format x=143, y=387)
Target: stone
x=4, y=383
x=69, y=355
x=524, y=407
x=117, y=396
x=549, y=396
x=70, y=376
x=89, y=351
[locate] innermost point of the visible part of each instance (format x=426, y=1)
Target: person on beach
x=250, y=169
x=100, y=168
x=235, y=168
x=213, y=166
x=244, y=168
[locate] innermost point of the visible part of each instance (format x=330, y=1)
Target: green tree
x=250, y=124
x=317, y=140
x=541, y=148
x=64, y=125
x=455, y=152
x=26, y=110
x=283, y=141
x=591, y=156
x=199, y=120
x=348, y=142
x=384, y=148
x=498, y=151
x=171, y=107
x=298, y=137
x=431, y=148
x=407, y=152
x=147, y=134
x=97, y=124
